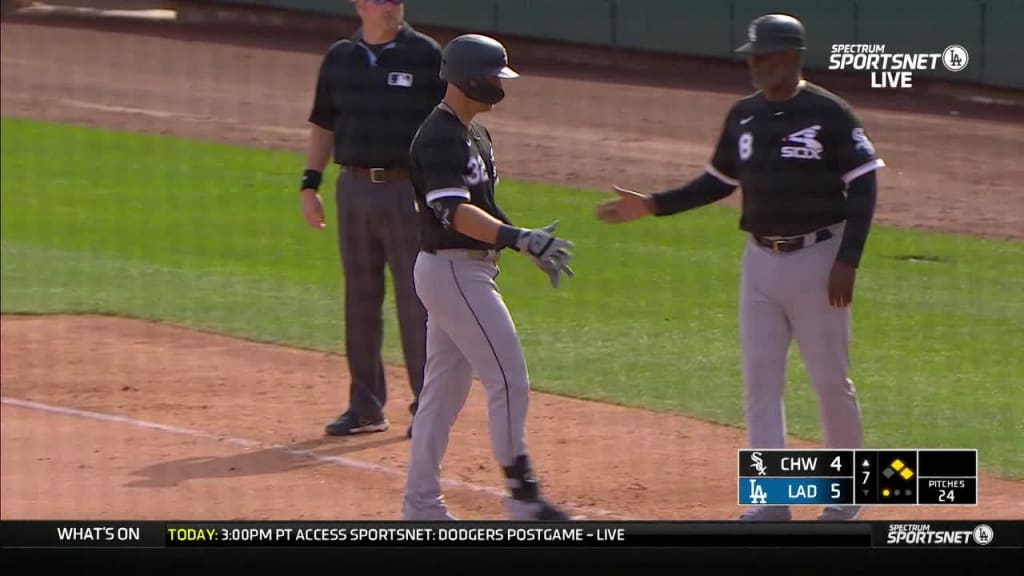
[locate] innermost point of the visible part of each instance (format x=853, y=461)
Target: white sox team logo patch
x=863, y=143
x=809, y=148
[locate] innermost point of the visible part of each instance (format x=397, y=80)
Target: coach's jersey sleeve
x=723, y=163
x=854, y=154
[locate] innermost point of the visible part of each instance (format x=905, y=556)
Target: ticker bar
x=433, y=535
x=471, y=534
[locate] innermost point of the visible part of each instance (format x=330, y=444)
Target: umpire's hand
x=627, y=206
x=312, y=209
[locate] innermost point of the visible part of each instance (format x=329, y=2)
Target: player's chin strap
x=520, y=481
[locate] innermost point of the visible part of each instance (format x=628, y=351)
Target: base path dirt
x=115, y=418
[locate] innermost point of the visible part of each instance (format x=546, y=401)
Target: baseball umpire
x=807, y=170
x=373, y=91
x=469, y=329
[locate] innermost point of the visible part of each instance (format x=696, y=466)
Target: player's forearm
x=701, y=191
x=860, y=209
x=470, y=220
x=318, y=151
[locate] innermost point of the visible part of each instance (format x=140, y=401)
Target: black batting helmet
x=467, y=62
x=774, y=33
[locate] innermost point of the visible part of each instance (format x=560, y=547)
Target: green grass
x=210, y=236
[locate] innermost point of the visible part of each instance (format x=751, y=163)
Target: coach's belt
x=793, y=243
x=380, y=175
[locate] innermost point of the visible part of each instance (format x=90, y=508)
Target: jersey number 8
x=746, y=144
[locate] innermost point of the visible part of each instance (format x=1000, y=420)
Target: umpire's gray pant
x=378, y=224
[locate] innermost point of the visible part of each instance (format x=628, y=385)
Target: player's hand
x=626, y=206
x=840, y=284
x=555, y=266
x=312, y=209
x=542, y=244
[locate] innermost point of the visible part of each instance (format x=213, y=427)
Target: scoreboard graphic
x=861, y=477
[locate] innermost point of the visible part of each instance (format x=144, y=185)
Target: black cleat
x=351, y=423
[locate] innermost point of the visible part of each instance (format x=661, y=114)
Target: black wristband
x=508, y=236
x=311, y=179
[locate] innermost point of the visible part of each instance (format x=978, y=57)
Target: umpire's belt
x=379, y=175
x=793, y=243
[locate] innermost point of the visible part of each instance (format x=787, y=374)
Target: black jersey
x=792, y=159
x=451, y=163
x=374, y=97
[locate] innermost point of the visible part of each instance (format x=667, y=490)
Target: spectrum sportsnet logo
x=923, y=534
x=894, y=69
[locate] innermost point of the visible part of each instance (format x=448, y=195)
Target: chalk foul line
x=587, y=511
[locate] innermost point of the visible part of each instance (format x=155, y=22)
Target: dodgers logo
x=809, y=148
x=757, y=493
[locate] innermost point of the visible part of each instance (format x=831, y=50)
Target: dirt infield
x=136, y=420
x=240, y=437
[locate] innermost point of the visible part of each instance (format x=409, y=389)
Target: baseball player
x=469, y=329
x=807, y=169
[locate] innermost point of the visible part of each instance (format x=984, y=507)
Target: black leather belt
x=379, y=175
x=791, y=243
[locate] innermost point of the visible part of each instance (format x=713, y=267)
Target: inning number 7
x=866, y=474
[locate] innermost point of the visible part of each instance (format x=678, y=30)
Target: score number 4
x=837, y=463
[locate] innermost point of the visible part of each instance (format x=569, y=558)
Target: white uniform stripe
x=714, y=172
x=862, y=170
x=447, y=193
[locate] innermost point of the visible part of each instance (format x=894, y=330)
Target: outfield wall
x=988, y=29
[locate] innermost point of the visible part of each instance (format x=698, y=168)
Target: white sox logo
x=809, y=149
x=758, y=464
x=863, y=143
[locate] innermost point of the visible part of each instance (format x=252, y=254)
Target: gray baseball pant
x=784, y=296
x=378, y=225
x=469, y=331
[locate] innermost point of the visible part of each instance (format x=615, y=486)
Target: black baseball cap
x=774, y=33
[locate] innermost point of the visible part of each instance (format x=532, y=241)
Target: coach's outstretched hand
x=626, y=206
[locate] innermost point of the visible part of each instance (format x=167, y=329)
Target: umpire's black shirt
x=793, y=160
x=451, y=164
x=374, y=97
